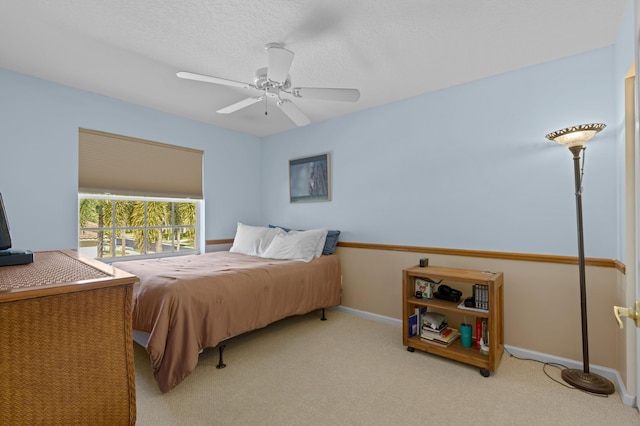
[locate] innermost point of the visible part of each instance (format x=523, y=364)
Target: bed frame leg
x=220, y=363
x=323, y=317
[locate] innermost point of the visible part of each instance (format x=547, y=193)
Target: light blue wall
x=39, y=123
x=467, y=167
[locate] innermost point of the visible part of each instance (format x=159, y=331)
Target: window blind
x=122, y=165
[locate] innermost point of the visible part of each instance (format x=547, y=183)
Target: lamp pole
x=576, y=150
x=575, y=137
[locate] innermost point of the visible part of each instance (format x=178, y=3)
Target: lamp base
x=589, y=382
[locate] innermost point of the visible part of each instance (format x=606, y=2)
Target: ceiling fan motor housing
x=262, y=82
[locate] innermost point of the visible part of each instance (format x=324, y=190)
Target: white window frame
x=199, y=229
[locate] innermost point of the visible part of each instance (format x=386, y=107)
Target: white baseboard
x=611, y=374
x=369, y=315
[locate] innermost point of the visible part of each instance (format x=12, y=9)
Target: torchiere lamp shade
x=575, y=135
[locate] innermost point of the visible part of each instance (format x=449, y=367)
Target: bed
x=187, y=303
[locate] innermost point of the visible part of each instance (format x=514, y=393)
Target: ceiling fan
x=273, y=81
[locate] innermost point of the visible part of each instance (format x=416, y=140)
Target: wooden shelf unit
x=461, y=279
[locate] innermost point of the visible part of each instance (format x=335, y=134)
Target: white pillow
x=253, y=240
x=297, y=245
x=323, y=238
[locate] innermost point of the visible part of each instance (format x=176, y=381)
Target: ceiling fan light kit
x=273, y=81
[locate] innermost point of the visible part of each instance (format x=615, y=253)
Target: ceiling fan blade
x=293, y=112
x=239, y=105
x=328, y=94
x=214, y=80
x=279, y=63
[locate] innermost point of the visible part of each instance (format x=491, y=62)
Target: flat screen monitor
x=5, y=237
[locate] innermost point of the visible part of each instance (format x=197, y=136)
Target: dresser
x=66, y=349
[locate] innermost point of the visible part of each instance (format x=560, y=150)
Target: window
x=118, y=227
x=160, y=197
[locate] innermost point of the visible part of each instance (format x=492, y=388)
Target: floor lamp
x=574, y=138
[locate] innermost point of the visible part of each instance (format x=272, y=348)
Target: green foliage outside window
x=123, y=227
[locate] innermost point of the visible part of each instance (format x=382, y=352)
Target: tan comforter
x=188, y=303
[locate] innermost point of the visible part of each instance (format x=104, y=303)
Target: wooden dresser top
x=56, y=272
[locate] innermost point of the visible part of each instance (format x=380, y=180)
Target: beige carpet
x=354, y=371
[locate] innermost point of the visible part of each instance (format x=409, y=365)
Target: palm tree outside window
x=112, y=228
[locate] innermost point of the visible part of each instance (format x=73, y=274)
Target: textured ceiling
x=388, y=49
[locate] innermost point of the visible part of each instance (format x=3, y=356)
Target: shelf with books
x=455, y=351
x=444, y=338
x=490, y=322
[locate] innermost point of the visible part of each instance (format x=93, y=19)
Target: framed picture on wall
x=309, y=179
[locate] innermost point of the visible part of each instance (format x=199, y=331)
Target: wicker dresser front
x=66, y=351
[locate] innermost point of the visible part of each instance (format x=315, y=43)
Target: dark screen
x=5, y=238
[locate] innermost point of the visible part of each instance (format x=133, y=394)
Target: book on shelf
x=448, y=342
x=446, y=335
x=444, y=339
x=443, y=333
x=413, y=325
x=481, y=296
x=415, y=320
x=429, y=327
x=484, y=343
x=485, y=297
x=420, y=311
x=433, y=320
